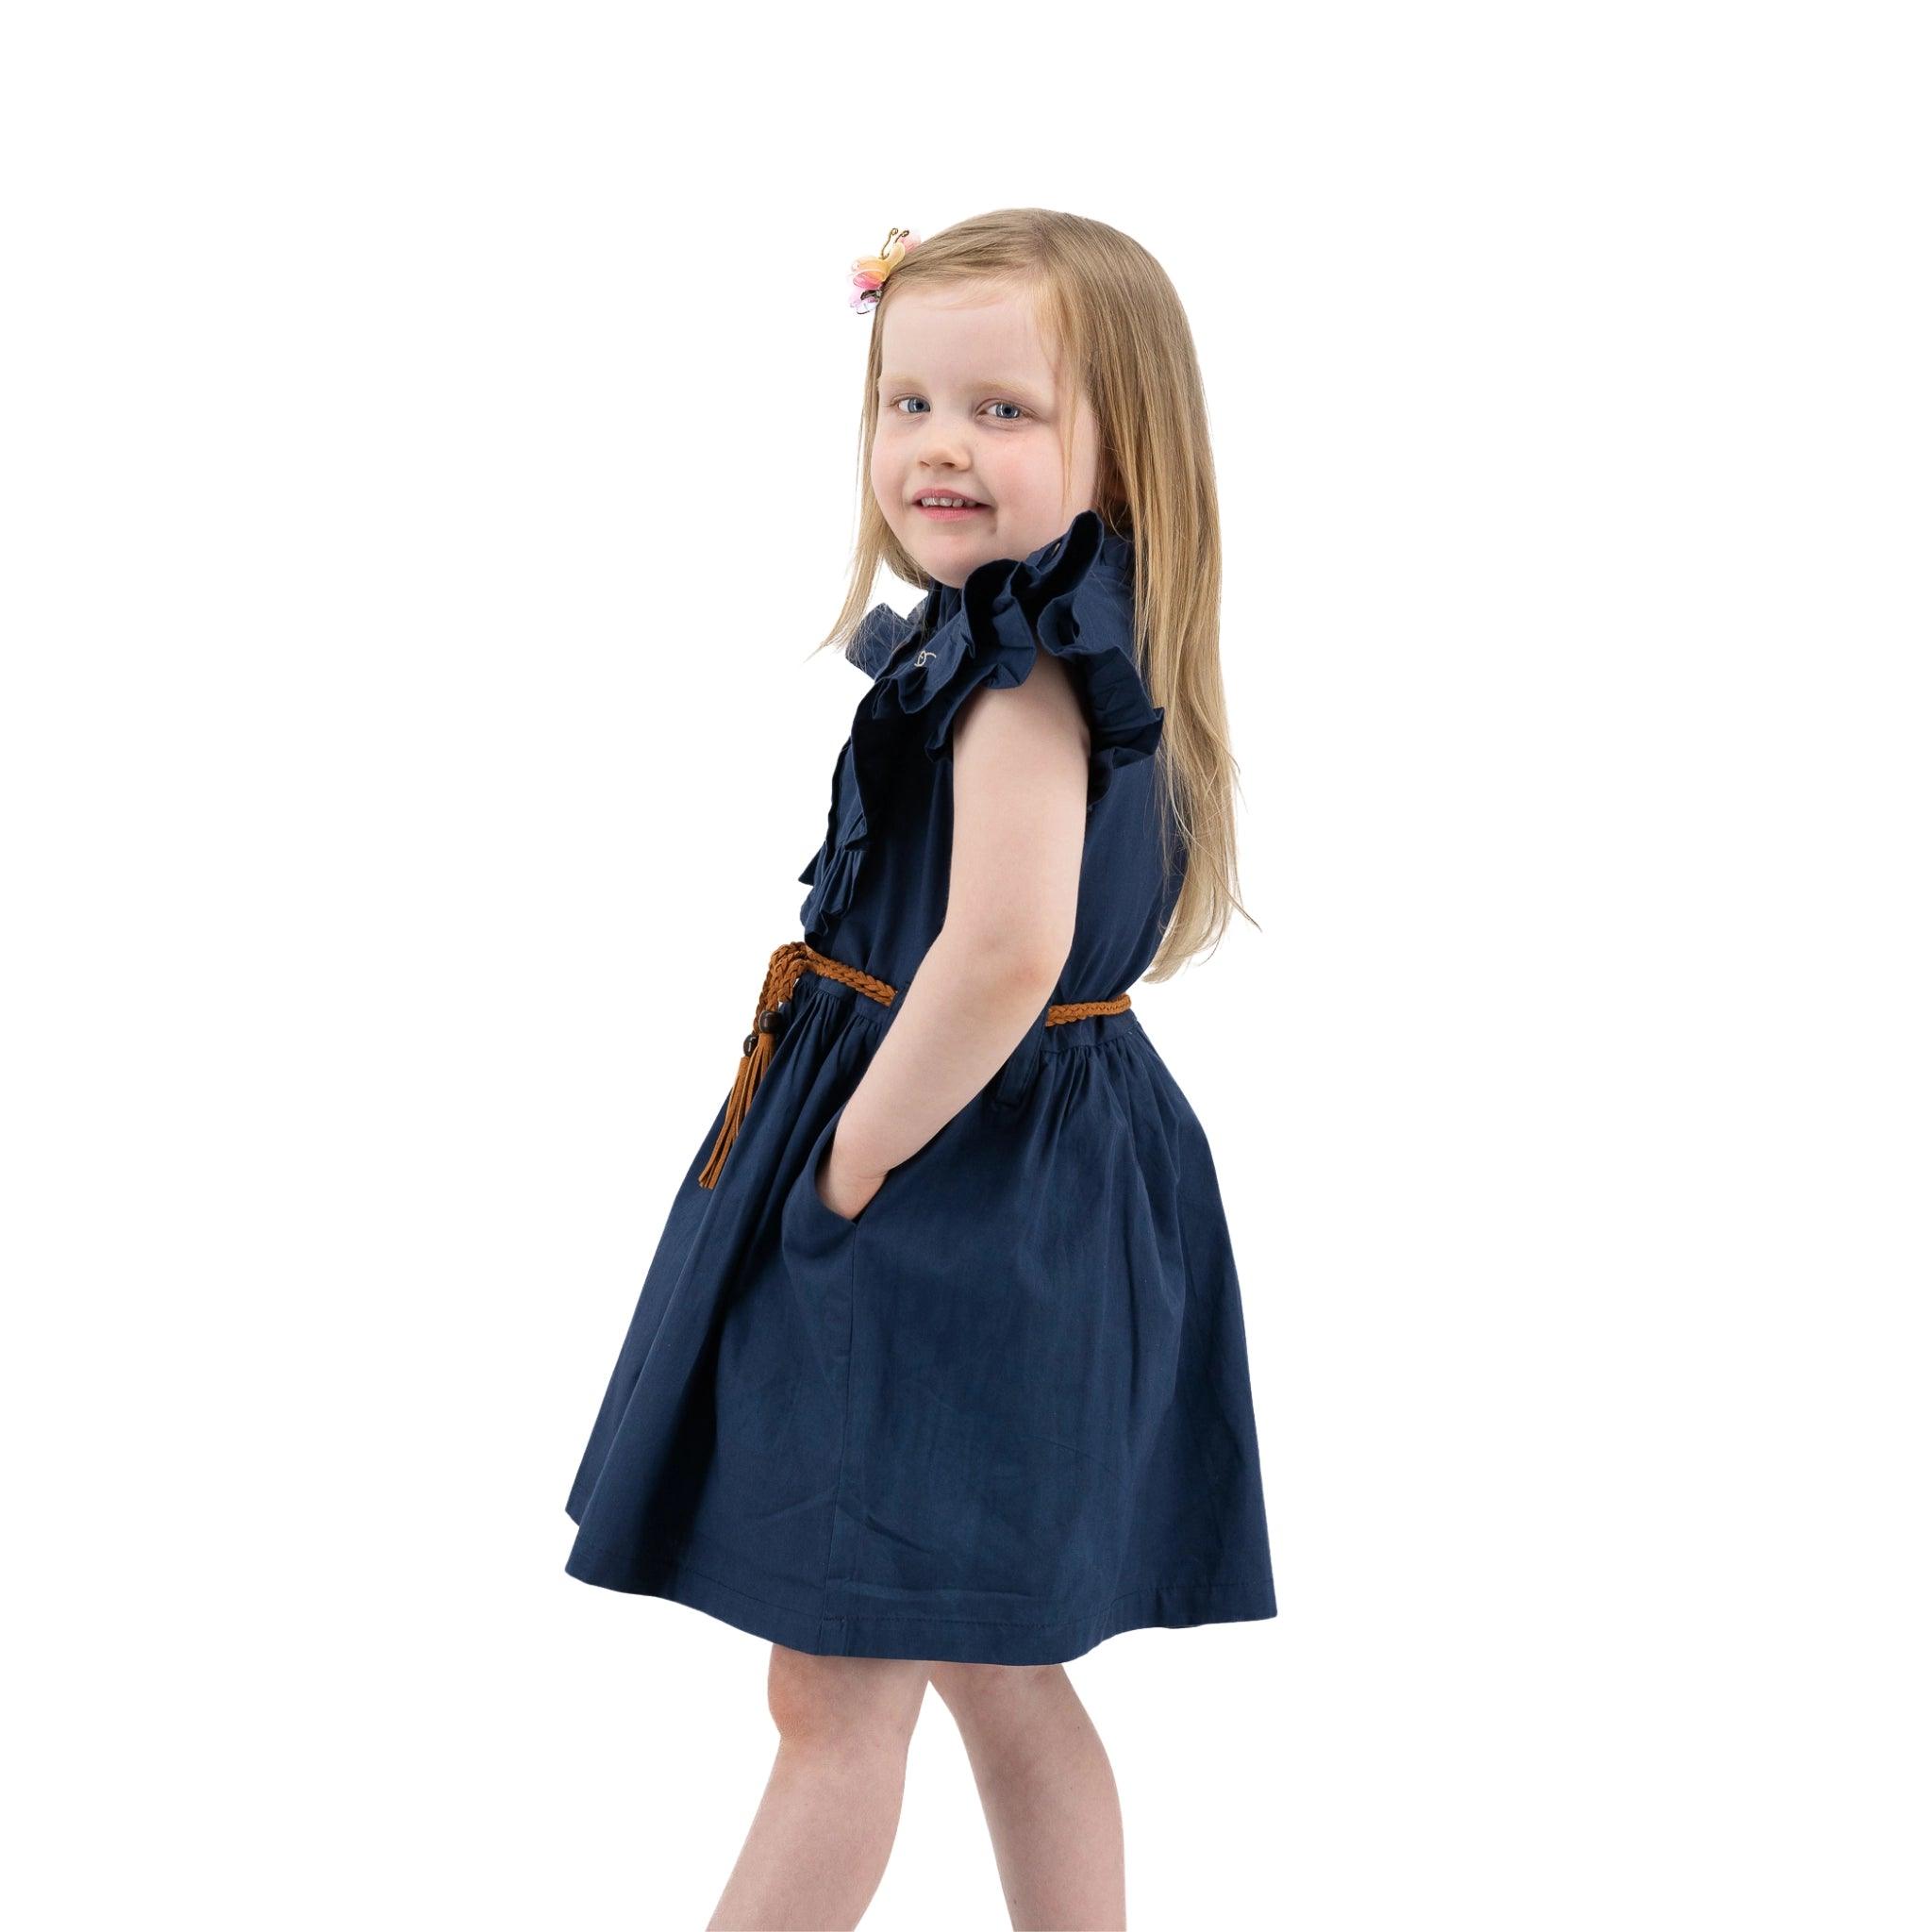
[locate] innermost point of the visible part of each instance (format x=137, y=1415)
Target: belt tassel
x=761, y=1043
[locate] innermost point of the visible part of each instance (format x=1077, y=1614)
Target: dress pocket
x=805, y=1220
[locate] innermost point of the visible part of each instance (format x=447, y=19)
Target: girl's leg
x=1048, y=1791
x=818, y=1846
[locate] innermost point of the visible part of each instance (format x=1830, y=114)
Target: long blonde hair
x=1115, y=321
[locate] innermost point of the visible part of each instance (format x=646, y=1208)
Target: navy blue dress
x=1003, y=1413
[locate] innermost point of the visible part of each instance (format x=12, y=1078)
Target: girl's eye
x=1018, y=412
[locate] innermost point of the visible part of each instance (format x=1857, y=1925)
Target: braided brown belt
x=761, y=1043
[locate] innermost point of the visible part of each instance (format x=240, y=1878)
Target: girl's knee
x=843, y=1700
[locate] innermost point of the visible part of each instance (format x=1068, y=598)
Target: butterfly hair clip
x=869, y=272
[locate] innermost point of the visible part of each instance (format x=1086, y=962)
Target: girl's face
x=968, y=408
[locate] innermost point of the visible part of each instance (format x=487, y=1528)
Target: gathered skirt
x=998, y=1416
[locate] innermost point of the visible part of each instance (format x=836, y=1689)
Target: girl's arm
x=1020, y=773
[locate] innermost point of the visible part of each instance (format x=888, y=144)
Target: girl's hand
x=845, y=1193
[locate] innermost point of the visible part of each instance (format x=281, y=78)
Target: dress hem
x=939, y=1639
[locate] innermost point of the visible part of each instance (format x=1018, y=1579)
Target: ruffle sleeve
x=1073, y=597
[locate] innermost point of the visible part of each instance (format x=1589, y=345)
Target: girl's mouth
x=941, y=515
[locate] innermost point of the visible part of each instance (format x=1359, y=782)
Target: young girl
x=938, y=1372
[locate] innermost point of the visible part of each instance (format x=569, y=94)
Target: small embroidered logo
x=921, y=658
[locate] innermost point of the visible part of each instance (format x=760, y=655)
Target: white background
x=428, y=455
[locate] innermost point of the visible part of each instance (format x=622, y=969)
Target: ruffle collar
x=1074, y=597
x=1090, y=548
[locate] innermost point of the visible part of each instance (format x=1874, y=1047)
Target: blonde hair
x=1109, y=312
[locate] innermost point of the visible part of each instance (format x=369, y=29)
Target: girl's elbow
x=1039, y=969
